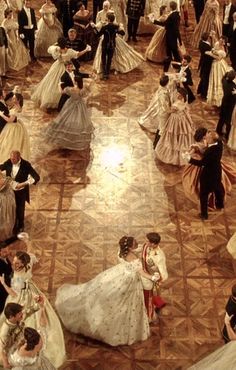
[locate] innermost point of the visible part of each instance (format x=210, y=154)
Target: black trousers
x=191, y=96
x=133, y=27
x=225, y=30
x=204, y=82
x=223, y=121
x=217, y=190
x=97, y=5
x=107, y=54
x=172, y=52
x=29, y=41
x=20, y=197
x=198, y=8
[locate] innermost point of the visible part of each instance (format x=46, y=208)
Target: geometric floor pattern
x=85, y=202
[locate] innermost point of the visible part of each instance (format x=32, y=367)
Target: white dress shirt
x=28, y=13
x=226, y=16
x=14, y=172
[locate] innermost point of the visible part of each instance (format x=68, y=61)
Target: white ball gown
x=47, y=93
x=124, y=60
x=49, y=29
x=7, y=209
x=72, y=128
x=109, y=308
x=14, y=136
x=17, y=55
x=222, y=359
x=218, y=70
x=26, y=290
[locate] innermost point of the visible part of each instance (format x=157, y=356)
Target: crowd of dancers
x=30, y=331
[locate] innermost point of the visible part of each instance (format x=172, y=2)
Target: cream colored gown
x=15, y=5
x=17, y=56
x=232, y=136
x=49, y=29
x=222, y=359
x=14, y=136
x=109, y=308
x=26, y=290
x=3, y=7
x=218, y=70
x=7, y=210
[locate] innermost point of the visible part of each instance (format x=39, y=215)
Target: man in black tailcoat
x=27, y=26
x=5, y=269
x=66, y=11
x=232, y=42
x=228, y=103
x=171, y=24
x=24, y=175
x=230, y=315
x=210, y=177
x=4, y=109
x=198, y=8
x=204, y=64
x=228, y=10
x=68, y=79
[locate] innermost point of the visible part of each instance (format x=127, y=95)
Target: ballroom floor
x=86, y=201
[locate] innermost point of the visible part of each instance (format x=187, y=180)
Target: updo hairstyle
x=31, y=338
x=24, y=258
x=125, y=243
x=199, y=134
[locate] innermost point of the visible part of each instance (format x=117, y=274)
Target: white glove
x=88, y=48
x=22, y=36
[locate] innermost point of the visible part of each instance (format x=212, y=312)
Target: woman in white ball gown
x=47, y=93
x=110, y=307
x=7, y=207
x=49, y=29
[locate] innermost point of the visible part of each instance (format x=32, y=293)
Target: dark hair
x=80, y=4
x=205, y=36
x=234, y=290
x=173, y=5
x=7, y=12
x=62, y=42
x=24, y=258
x=182, y=92
x=125, y=244
x=9, y=96
x=153, y=238
x=1, y=91
x=187, y=58
x=12, y=309
x=162, y=9
x=111, y=16
x=164, y=80
x=230, y=75
x=199, y=134
x=79, y=82
x=31, y=337
x=20, y=99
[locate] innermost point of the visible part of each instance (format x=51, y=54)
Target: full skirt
x=47, y=93
x=124, y=60
x=14, y=136
x=72, y=128
x=215, y=90
x=222, y=358
x=232, y=136
x=7, y=212
x=109, y=308
x=17, y=56
x=156, y=50
x=231, y=246
x=208, y=22
x=46, y=36
x=176, y=139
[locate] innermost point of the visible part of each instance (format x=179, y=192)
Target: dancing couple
x=120, y=313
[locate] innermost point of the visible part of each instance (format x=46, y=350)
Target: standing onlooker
x=228, y=103
x=67, y=9
x=154, y=263
x=171, y=24
x=228, y=11
x=232, y=42
x=6, y=271
x=134, y=10
x=210, y=177
x=24, y=175
x=230, y=316
x=27, y=27
x=3, y=51
x=205, y=64
x=198, y=8
x=17, y=55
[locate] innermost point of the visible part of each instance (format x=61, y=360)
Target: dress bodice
x=17, y=360
x=132, y=266
x=212, y=6
x=56, y=53
x=48, y=13
x=179, y=106
x=20, y=279
x=82, y=19
x=10, y=24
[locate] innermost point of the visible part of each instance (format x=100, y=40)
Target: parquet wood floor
x=74, y=227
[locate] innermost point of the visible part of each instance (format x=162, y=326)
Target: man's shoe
x=203, y=217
